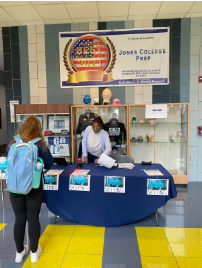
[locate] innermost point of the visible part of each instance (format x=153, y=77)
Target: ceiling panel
x=177, y=7
x=116, y=8
x=58, y=21
x=23, y=13
x=31, y=22
x=9, y=23
x=46, y=2
x=143, y=17
x=78, y=2
x=83, y=10
x=194, y=14
x=113, y=18
x=171, y=16
x=86, y=20
x=51, y=12
x=14, y=3
x=4, y=16
x=144, y=7
x=197, y=7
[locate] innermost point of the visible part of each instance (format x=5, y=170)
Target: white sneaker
x=35, y=256
x=19, y=256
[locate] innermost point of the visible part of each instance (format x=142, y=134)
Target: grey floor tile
x=114, y=261
x=146, y=222
x=11, y=263
x=7, y=244
x=120, y=241
x=178, y=202
x=7, y=215
x=178, y=217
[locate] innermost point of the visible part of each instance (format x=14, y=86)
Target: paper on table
x=114, y=165
x=106, y=161
x=126, y=165
x=153, y=172
x=80, y=172
x=54, y=172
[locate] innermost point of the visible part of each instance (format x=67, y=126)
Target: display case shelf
x=173, y=155
x=54, y=118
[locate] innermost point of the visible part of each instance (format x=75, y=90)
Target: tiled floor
x=177, y=242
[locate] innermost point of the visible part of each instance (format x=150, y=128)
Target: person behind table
x=95, y=142
x=27, y=207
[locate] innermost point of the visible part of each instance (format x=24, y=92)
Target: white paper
x=156, y=111
x=80, y=172
x=153, y=172
x=114, y=184
x=126, y=165
x=2, y=175
x=157, y=186
x=64, y=149
x=79, y=183
x=114, y=165
x=54, y=172
x=53, y=184
x=106, y=161
x=12, y=114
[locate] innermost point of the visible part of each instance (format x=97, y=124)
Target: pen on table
x=150, y=169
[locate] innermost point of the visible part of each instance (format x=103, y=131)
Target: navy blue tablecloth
x=98, y=208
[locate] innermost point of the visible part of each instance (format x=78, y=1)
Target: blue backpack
x=21, y=172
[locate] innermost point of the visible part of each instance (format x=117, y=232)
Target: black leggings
x=27, y=208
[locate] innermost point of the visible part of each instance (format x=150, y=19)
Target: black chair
x=123, y=158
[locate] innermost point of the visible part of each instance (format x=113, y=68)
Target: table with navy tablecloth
x=98, y=208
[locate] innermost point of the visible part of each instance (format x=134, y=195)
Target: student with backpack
x=25, y=183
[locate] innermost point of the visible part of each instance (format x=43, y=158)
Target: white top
x=94, y=144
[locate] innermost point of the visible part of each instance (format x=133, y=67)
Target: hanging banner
x=117, y=58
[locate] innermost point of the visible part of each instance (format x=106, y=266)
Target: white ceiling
x=14, y=13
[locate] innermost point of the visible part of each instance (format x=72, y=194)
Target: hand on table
x=96, y=160
x=85, y=160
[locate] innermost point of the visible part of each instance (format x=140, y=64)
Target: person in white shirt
x=95, y=142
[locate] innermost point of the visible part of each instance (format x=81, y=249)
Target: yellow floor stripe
x=158, y=262
x=55, y=238
x=82, y=260
x=46, y=260
x=185, y=242
x=70, y=246
x=189, y=262
x=2, y=225
x=87, y=240
x=152, y=242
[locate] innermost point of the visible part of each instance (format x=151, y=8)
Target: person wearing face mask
x=95, y=142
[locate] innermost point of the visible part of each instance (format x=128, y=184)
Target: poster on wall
x=59, y=146
x=114, y=58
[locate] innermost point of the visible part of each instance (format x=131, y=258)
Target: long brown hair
x=29, y=130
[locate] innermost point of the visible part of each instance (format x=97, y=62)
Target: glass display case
x=163, y=141
x=82, y=116
x=55, y=126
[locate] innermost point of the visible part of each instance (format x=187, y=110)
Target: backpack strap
x=35, y=140
x=18, y=139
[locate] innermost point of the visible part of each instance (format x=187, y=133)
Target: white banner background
x=143, y=43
